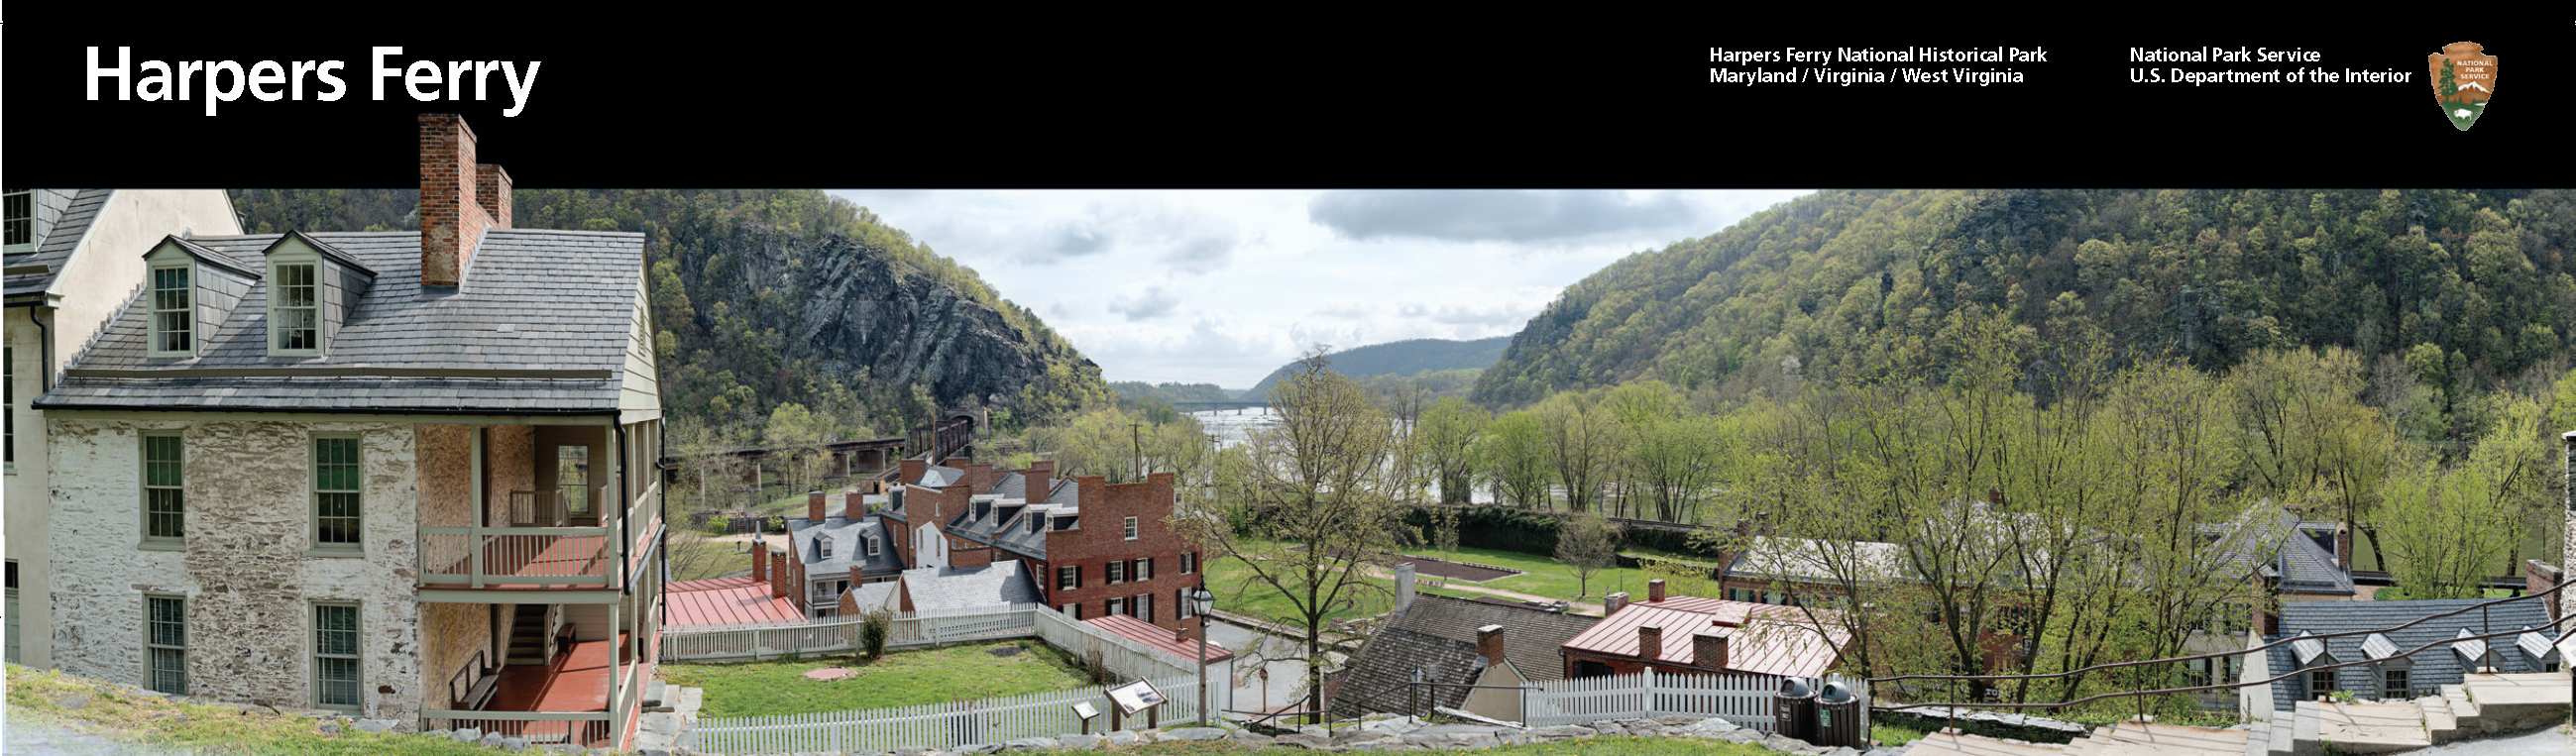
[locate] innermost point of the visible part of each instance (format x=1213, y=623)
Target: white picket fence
x=1748, y=700
x=941, y=726
x=911, y=630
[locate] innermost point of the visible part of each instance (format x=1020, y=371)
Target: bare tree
x=1589, y=544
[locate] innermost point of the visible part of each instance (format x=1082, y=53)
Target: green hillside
x=2461, y=289
x=1400, y=358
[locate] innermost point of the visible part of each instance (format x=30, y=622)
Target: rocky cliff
x=864, y=309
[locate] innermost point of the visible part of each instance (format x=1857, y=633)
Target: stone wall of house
x=246, y=569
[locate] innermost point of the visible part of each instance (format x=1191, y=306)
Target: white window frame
x=177, y=488
x=1143, y=606
x=278, y=323
x=822, y=546
x=1117, y=572
x=9, y=406
x=154, y=648
x=357, y=467
x=355, y=655
x=1068, y=578
x=1117, y=606
x=1071, y=610
x=9, y=218
x=1181, y=598
x=872, y=546
x=1144, y=569
x=158, y=313
x=1131, y=529
x=1189, y=562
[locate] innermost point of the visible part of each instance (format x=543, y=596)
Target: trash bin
x=1793, y=711
x=1838, y=719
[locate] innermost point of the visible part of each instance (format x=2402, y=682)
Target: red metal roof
x=1156, y=637
x=724, y=601
x=1777, y=640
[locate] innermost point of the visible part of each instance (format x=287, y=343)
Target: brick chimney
x=1094, y=492
x=854, y=506
x=982, y=477
x=1610, y=604
x=814, y=507
x=2343, y=548
x=1708, y=649
x=1043, y=469
x=913, y=467
x=1650, y=641
x=778, y=575
x=759, y=559
x=1655, y=591
x=459, y=199
x=1489, y=644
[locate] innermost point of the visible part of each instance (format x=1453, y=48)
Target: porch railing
x=2557, y=625
x=481, y=557
x=582, y=729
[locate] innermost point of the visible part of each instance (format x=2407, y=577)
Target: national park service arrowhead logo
x=2463, y=80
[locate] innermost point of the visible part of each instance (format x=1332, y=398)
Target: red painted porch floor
x=577, y=681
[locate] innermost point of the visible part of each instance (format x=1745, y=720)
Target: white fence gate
x=942, y=726
x=1745, y=699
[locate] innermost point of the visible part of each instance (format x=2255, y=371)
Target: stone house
x=73, y=260
x=400, y=475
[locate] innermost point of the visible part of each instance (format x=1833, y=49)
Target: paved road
x=1286, y=677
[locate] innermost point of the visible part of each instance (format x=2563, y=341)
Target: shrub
x=874, y=631
x=1095, y=663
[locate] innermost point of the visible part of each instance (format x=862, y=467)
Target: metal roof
x=2308, y=648
x=1762, y=638
x=1159, y=639
x=2377, y=646
x=725, y=601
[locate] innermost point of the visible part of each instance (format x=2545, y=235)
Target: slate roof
x=873, y=596
x=2269, y=536
x=1387, y=662
x=996, y=584
x=62, y=217
x=938, y=476
x=2438, y=665
x=546, y=314
x=849, y=547
x=1532, y=638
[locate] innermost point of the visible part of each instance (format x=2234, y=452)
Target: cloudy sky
x=1224, y=286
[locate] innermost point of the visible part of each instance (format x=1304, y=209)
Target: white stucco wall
x=246, y=572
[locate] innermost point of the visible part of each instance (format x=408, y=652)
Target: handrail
x=1954, y=706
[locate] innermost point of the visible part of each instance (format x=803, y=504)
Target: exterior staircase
x=2480, y=705
x=529, y=636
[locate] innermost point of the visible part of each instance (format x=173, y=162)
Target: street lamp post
x=1200, y=602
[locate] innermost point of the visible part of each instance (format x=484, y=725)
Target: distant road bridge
x=1211, y=406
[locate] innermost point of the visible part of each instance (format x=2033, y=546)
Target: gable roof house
x=402, y=475
x=1690, y=634
x=1085, y=546
x=71, y=264
x=1456, y=641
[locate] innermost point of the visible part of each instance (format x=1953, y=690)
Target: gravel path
x=27, y=737
x=2553, y=741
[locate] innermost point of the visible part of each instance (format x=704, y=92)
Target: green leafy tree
x=1588, y=544
x=1449, y=434
x=1311, y=507
x=1513, y=454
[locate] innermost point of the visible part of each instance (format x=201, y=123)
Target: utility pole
x=1136, y=436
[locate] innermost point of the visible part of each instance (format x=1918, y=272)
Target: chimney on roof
x=1043, y=469
x=778, y=575
x=1610, y=604
x=913, y=467
x=1708, y=649
x=1489, y=644
x=459, y=198
x=1650, y=641
x=1180, y=635
x=1404, y=586
x=1655, y=591
x=814, y=507
x=759, y=559
x=854, y=505
x=1094, y=492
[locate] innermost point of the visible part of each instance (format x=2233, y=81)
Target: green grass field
x=120, y=715
x=1547, y=577
x=900, y=679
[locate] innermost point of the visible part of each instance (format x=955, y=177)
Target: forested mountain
x=1171, y=391
x=782, y=304
x=2458, y=289
x=1399, y=358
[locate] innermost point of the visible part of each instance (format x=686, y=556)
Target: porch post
x=474, y=543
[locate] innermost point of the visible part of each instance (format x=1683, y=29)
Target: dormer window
x=173, y=312
x=822, y=548
x=294, y=314
x=872, y=546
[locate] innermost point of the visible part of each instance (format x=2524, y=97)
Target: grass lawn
x=1547, y=577
x=693, y=558
x=907, y=678
x=118, y=714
